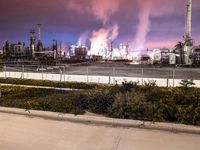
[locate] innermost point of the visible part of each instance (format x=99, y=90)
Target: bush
x=187, y=83
x=73, y=85
x=196, y=117
x=129, y=86
x=126, y=101
x=100, y=100
x=130, y=105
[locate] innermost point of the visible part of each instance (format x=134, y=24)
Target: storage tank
x=172, y=58
x=81, y=51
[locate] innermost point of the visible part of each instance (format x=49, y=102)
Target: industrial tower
x=188, y=41
x=32, y=42
x=39, y=45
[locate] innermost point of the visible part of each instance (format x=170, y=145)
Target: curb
x=39, y=87
x=104, y=121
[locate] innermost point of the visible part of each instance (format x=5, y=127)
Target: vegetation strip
x=71, y=85
x=126, y=101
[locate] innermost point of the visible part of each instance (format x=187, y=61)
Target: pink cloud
x=162, y=44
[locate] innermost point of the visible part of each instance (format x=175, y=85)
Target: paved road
x=113, y=69
x=23, y=133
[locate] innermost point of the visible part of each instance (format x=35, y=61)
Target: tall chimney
x=39, y=32
x=188, y=20
x=33, y=42
x=188, y=42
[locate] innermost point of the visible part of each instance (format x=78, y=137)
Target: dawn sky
x=141, y=23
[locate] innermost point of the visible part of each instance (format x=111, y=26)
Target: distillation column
x=188, y=42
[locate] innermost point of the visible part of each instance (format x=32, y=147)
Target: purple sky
x=66, y=20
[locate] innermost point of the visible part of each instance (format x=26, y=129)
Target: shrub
x=196, y=117
x=127, y=101
x=187, y=83
x=73, y=85
x=100, y=100
x=129, y=86
x=130, y=105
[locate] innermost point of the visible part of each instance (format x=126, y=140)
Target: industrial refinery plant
x=184, y=53
x=35, y=52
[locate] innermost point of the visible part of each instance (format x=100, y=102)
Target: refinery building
x=184, y=52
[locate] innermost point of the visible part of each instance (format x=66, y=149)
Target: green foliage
x=73, y=85
x=187, y=83
x=100, y=100
x=150, y=84
x=129, y=86
x=129, y=105
x=127, y=101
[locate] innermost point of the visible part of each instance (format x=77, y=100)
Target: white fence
x=92, y=79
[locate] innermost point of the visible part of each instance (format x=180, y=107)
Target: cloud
x=102, y=10
x=147, y=10
x=68, y=19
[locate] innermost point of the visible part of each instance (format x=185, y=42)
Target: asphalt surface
x=113, y=69
x=25, y=133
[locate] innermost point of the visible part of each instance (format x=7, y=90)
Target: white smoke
x=102, y=10
x=100, y=40
x=143, y=26
x=83, y=38
x=148, y=9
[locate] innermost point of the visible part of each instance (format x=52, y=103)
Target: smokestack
x=188, y=44
x=32, y=42
x=39, y=32
x=188, y=19
x=39, y=45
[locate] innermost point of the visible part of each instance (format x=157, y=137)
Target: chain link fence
x=72, y=73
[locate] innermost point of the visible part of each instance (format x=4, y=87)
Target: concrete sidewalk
x=104, y=121
x=19, y=132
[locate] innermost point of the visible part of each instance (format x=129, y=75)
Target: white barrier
x=92, y=79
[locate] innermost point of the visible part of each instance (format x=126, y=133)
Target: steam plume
x=83, y=38
x=143, y=26
x=103, y=9
x=100, y=39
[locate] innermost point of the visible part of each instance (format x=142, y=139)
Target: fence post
x=87, y=70
x=174, y=71
x=5, y=70
x=167, y=82
x=42, y=73
x=64, y=72
x=22, y=72
x=142, y=73
x=60, y=70
x=114, y=74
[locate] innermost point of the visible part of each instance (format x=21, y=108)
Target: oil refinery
x=184, y=53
